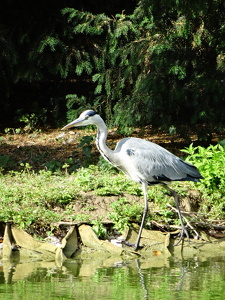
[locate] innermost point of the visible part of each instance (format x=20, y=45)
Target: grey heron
x=144, y=162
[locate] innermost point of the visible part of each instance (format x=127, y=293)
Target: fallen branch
x=160, y=225
x=200, y=223
x=187, y=222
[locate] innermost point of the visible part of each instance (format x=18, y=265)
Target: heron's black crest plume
x=91, y=113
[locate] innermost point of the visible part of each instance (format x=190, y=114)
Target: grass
x=36, y=200
x=29, y=199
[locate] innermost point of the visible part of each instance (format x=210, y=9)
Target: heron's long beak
x=74, y=123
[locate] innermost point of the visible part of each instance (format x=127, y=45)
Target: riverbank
x=52, y=179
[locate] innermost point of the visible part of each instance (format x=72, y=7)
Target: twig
x=187, y=222
x=221, y=227
x=163, y=225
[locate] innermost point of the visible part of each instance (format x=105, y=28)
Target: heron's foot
x=135, y=246
x=182, y=235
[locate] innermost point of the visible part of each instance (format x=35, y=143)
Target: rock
x=89, y=238
x=61, y=135
x=70, y=242
x=59, y=257
x=7, y=242
x=23, y=239
x=154, y=242
x=112, y=248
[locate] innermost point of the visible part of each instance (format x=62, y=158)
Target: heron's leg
x=183, y=228
x=145, y=188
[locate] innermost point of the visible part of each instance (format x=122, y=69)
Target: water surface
x=111, y=278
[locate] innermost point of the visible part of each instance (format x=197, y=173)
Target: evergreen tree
x=163, y=63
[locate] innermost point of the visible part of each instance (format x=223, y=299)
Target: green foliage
x=86, y=22
x=54, y=165
x=74, y=100
x=104, y=184
x=34, y=200
x=30, y=121
x=6, y=162
x=124, y=212
x=27, y=198
x=163, y=61
x=86, y=146
x=211, y=164
x=13, y=130
x=153, y=62
x=99, y=228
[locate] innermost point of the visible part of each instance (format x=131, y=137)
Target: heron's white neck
x=101, y=141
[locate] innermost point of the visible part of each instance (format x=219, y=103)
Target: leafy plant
x=86, y=146
x=211, y=164
x=30, y=120
x=34, y=200
x=145, y=63
x=99, y=228
x=28, y=198
x=9, y=130
x=6, y=161
x=124, y=212
x=54, y=165
x=144, y=51
x=73, y=100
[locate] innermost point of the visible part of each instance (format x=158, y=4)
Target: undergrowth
x=211, y=162
x=37, y=200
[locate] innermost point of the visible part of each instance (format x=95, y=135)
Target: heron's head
x=88, y=117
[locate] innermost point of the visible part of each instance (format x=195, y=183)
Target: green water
x=108, y=278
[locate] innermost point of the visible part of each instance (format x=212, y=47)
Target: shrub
x=211, y=163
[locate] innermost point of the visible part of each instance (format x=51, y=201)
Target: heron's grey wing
x=143, y=160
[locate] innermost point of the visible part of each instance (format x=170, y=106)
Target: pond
x=113, y=278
